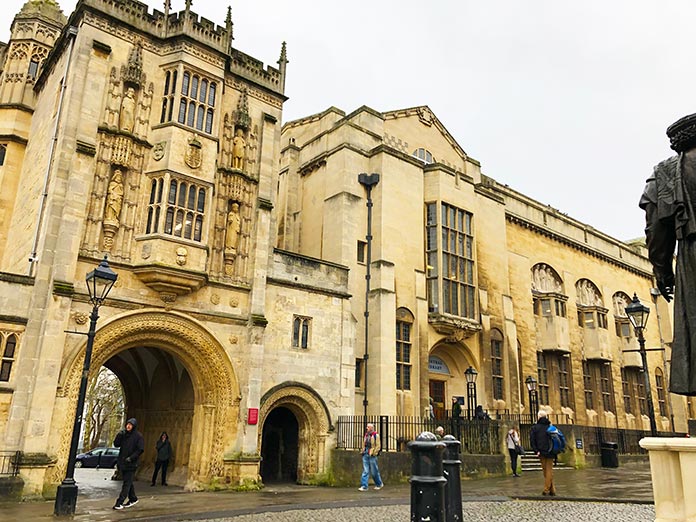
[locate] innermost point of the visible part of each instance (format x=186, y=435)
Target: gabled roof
x=427, y=117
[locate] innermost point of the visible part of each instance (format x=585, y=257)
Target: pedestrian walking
x=514, y=449
x=164, y=453
x=456, y=417
x=541, y=445
x=370, y=449
x=131, y=445
x=439, y=432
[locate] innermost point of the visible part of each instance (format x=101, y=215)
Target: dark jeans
x=127, y=490
x=513, y=460
x=164, y=464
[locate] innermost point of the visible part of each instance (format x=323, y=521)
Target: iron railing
x=626, y=440
x=9, y=463
x=481, y=437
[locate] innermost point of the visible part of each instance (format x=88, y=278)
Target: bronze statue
x=669, y=200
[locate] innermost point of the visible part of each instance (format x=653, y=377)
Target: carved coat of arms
x=193, y=156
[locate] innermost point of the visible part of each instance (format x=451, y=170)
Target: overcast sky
x=566, y=102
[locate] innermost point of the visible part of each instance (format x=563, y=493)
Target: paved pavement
x=592, y=495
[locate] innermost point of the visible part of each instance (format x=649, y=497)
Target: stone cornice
x=14, y=137
x=308, y=288
x=13, y=319
x=484, y=191
x=567, y=241
x=16, y=278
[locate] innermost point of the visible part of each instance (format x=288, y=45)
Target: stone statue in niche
x=112, y=209
x=238, y=150
x=114, y=198
x=126, y=120
x=234, y=225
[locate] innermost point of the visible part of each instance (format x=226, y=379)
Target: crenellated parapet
x=165, y=25
x=253, y=70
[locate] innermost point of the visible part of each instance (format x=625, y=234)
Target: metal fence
x=627, y=440
x=9, y=463
x=480, y=437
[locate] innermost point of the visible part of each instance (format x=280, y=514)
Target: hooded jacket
x=131, y=445
x=164, y=448
x=539, y=438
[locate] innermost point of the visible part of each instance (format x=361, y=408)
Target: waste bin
x=610, y=454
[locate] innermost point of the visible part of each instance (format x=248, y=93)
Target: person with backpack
x=541, y=443
x=370, y=449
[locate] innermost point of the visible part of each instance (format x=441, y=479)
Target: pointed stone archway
x=215, y=387
x=313, y=424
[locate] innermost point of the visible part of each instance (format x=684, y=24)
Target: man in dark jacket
x=164, y=453
x=131, y=445
x=541, y=444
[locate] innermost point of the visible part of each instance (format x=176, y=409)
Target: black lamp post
x=99, y=283
x=471, y=374
x=368, y=181
x=638, y=314
x=531, y=383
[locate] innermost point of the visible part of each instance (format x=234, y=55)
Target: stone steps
x=530, y=462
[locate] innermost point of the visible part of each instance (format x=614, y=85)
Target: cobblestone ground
x=529, y=511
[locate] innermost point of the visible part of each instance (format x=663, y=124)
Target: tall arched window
x=497, y=373
x=404, y=327
x=661, y=395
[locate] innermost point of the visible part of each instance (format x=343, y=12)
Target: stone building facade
x=236, y=322
x=148, y=137
x=467, y=272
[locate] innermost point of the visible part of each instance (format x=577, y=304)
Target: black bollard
x=427, y=481
x=453, y=492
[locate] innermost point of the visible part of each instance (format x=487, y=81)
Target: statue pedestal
x=110, y=228
x=673, y=471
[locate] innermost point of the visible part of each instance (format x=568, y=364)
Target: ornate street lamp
x=99, y=284
x=470, y=374
x=638, y=314
x=531, y=383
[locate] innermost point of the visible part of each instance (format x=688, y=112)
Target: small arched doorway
x=295, y=415
x=280, y=446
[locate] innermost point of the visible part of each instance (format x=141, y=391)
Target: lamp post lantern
x=471, y=374
x=638, y=314
x=99, y=284
x=531, y=383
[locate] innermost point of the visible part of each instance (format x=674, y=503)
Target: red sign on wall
x=253, y=416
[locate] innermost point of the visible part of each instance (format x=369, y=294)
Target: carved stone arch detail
x=456, y=354
x=620, y=300
x=216, y=389
x=314, y=422
x=587, y=293
x=546, y=280
x=404, y=314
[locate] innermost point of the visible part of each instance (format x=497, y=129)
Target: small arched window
x=301, y=329
x=8, y=357
x=424, y=155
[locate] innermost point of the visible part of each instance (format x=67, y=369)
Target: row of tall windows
x=180, y=212
x=195, y=102
x=450, y=263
